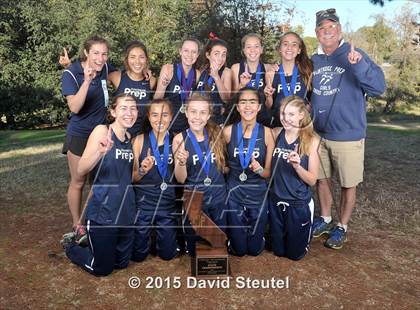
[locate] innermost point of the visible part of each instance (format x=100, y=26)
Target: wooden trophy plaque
x=212, y=259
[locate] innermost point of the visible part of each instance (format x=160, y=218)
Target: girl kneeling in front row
x=200, y=162
x=111, y=208
x=295, y=167
x=155, y=192
x=250, y=146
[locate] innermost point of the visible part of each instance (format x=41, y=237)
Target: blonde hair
x=306, y=129
x=216, y=140
x=250, y=35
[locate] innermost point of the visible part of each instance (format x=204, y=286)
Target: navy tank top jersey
x=150, y=194
x=206, y=84
x=215, y=193
x=253, y=189
x=174, y=94
x=142, y=92
x=286, y=184
x=257, y=79
x=112, y=201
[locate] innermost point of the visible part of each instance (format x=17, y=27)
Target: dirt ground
x=379, y=266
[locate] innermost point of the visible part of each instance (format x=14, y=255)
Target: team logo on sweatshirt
x=326, y=80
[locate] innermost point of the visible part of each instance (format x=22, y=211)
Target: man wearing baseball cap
x=343, y=76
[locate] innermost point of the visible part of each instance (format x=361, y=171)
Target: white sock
x=343, y=225
x=327, y=219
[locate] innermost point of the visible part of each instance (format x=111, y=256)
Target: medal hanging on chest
x=161, y=161
x=186, y=84
x=245, y=159
x=204, y=161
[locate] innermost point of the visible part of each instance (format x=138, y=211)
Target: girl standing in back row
x=216, y=78
x=84, y=85
x=251, y=71
x=136, y=80
x=178, y=80
x=293, y=76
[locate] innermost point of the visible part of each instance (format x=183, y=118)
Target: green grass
x=403, y=128
x=12, y=139
x=402, y=111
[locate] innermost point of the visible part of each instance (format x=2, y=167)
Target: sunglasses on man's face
x=322, y=12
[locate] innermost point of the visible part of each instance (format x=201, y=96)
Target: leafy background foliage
x=32, y=34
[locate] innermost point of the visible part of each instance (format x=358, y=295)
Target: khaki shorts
x=344, y=157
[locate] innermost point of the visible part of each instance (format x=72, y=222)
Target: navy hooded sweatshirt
x=339, y=89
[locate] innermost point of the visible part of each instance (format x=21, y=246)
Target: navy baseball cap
x=326, y=14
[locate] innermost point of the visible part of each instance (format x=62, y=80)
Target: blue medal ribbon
x=162, y=163
x=245, y=159
x=186, y=83
x=286, y=91
x=205, y=162
x=257, y=77
x=209, y=79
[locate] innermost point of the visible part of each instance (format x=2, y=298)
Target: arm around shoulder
x=165, y=77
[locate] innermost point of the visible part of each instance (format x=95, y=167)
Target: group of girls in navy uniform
x=189, y=136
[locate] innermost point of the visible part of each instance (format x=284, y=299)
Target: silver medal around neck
x=243, y=177
x=182, y=108
x=163, y=186
x=207, y=181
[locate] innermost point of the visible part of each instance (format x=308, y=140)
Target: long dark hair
x=302, y=60
x=131, y=45
x=209, y=47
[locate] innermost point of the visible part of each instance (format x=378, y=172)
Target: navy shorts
x=76, y=145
